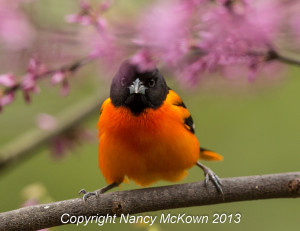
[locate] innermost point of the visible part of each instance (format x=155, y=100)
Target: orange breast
x=152, y=146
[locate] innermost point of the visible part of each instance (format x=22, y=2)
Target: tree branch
x=72, y=67
x=288, y=60
x=284, y=185
x=18, y=150
x=274, y=55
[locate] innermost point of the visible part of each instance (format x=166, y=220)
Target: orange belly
x=147, y=148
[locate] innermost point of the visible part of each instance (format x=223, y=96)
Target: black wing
x=189, y=120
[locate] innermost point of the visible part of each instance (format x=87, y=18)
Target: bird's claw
x=210, y=175
x=86, y=194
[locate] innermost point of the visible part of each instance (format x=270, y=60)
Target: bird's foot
x=86, y=194
x=210, y=175
x=96, y=193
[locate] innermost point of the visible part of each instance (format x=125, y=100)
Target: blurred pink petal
x=105, y=47
x=46, y=122
x=58, y=77
x=7, y=80
x=35, y=67
x=295, y=25
x=84, y=17
x=29, y=83
x=196, y=36
x=16, y=31
x=166, y=30
x=235, y=37
x=85, y=5
x=29, y=86
x=71, y=18
x=30, y=202
x=60, y=146
x=84, y=20
x=65, y=89
x=105, y=5
x=143, y=60
x=101, y=26
x=64, y=143
x=6, y=99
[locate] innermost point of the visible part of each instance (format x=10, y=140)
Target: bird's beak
x=137, y=87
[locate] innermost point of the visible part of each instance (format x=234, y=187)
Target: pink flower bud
x=84, y=20
x=7, y=80
x=84, y=5
x=105, y=5
x=71, y=18
x=65, y=88
x=6, y=99
x=35, y=67
x=143, y=60
x=46, y=122
x=32, y=66
x=29, y=85
x=58, y=77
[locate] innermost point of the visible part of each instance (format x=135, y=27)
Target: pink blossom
x=58, y=77
x=6, y=99
x=105, y=46
x=165, y=29
x=144, y=61
x=295, y=24
x=16, y=32
x=85, y=5
x=29, y=86
x=197, y=36
x=30, y=202
x=66, y=142
x=60, y=146
x=65, y=89
x=46, y=122
x=7, y=80
x=84, y=20
x=105, y=5
x=35, y=67
x=238, y=36
x=84, y=17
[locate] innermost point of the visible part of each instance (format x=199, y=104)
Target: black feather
x=137, y=103
x=189, y=122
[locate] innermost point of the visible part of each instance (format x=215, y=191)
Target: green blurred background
x=254, y=126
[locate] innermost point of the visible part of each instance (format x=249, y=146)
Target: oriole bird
x=146, y=133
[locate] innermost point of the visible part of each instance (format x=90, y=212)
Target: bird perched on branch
x=146, y=133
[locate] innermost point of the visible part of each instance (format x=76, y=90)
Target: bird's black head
x=138, y=90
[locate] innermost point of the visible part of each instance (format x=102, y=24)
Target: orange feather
x=155, y=145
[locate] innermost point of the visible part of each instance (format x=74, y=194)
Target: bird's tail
x=206, y=154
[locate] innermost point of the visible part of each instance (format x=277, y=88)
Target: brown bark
x=284, y=185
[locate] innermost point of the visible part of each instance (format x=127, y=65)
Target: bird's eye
x=151, y=83
x=123, y=81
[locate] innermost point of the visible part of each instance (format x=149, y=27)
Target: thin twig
x=274, y=55
x=284, y=185
x=72, y=67
x=288, y=60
